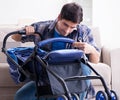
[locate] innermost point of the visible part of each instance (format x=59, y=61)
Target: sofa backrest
x=4, y=30
x=96, y=34
x=11, y=43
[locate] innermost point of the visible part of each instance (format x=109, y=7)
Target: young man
x=66, y=25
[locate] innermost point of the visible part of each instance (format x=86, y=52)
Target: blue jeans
x=85, y=71
x=27, y=92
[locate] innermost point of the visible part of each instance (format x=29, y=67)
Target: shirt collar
x=52, y=26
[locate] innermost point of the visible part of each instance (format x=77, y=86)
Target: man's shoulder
x=43, y=23
x=82, y=26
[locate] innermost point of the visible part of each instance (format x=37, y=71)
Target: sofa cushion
x=8, y=45
x=104, y=70
x=5, y=78
x=4, y=30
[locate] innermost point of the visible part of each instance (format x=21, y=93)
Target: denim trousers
x=85, y=71
x=27, y=92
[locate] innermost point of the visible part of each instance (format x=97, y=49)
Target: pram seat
x=65, y=63
x=58, y=61
x=65, y=56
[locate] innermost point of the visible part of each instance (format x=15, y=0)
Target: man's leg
x=27, y=92
x=86, y=71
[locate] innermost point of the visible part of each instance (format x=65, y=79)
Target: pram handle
x=51, y=40
x=21, y=32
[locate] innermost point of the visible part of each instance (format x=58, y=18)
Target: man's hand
x=29, y=30
x=94, y=55
x=87, y=48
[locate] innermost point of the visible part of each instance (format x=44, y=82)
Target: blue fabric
x=22, y=54
x=86, y=71
x=27, y=92
x=58, y=45
x=14, y=72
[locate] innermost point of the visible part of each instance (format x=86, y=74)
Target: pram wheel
x=113, y=95
x=74, y=97
x=101, y=96
x=62, y=97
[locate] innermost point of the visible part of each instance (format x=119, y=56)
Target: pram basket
x=50, y=63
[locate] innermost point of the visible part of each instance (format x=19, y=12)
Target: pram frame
x=61, y=80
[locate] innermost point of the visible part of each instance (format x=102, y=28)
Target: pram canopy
x=20, y=55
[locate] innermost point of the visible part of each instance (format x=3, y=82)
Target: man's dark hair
x=72, y=12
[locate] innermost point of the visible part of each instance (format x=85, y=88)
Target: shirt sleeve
x=87, y=36
x=28, y=38
x=92, y=41
x=33, y=38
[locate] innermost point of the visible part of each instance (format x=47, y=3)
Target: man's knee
x=85, y=69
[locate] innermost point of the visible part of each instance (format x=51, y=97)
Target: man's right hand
x=29, y=30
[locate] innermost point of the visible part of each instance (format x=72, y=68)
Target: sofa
x=108, y=67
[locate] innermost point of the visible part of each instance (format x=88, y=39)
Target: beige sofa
x=108, y=67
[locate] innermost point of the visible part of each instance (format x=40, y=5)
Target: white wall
x=13, y=10
x=106, y=15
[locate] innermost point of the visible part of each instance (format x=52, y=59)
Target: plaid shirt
x=46, y=30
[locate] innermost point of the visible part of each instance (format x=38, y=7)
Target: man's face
x=65, y=27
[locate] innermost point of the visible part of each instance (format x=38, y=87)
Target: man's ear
x=59, y=17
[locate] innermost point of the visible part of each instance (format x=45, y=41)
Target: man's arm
x=29, y=31
x=94, y=55
x=16, y=37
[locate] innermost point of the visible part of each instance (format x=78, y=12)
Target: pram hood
x=19, y=55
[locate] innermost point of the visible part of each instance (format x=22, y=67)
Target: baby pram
x=46, y=69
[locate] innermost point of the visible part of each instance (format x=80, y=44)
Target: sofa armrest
x=111, y=56
x=106, y=55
